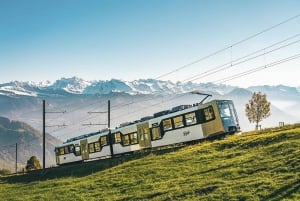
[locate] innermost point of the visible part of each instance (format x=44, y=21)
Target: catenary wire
x=230, y=46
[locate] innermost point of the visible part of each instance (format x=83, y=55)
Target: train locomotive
x=181, y=124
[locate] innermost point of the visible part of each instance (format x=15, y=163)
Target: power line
x=230, y=46
x=238, y=75
x=230, y=65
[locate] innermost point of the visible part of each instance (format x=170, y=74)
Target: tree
x=258, y=108
x=4, y=171
x=33, y=164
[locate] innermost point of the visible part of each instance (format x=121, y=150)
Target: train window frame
x=117, y=137
x=62, y=151
x=167, y=124
x=209, y=113
x=178, y=121
x=103, y=140
x=91, y=148
x=97, y=146
x=190, y=116
x=71, y=148
x=125, y=140
x=77, y=150
x=155, y=132
x=133, y=137
x=67, y=151
x=57, y=151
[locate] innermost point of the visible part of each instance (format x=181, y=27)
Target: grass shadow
x=82, y=169
x=284, y=192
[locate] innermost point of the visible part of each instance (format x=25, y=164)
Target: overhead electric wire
x=227, y=66
x=275, y=63
x=230, y=46
x=230, y=63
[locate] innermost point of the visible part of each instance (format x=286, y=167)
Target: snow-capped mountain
x=130, y=100
x=71, y=85
x=76, y=85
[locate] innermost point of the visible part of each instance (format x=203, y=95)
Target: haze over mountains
x=29, y=143
x=73, y=104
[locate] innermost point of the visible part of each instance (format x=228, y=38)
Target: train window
x=167, y=124
x=66, y=149
x=125, y=140
x=103, y=140
x=117, y=137
x=77, y=150
x=61, y=151
x=209, y=113
x=56, y=151
x=91, y=148
x=178, y=122
x=190, y=118
x=71, y=147
x=97, y=146
x=133, y=138
x=156, y=133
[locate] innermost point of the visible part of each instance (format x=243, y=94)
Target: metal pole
x=16, y=158
x=109, y=131
x=44, y=132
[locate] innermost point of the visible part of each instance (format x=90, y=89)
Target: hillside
x=29, y=143
x=251, y=166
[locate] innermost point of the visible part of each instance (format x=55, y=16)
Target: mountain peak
x=72, y=85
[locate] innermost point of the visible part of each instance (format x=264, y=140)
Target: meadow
x=262, y=165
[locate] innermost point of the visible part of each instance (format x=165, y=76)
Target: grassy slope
x=253, y=166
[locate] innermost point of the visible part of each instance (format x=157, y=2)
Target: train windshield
x=228, y=115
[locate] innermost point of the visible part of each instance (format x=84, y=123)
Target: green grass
x=261, y=165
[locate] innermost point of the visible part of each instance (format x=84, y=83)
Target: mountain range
x=75, y=106
x=77, y=86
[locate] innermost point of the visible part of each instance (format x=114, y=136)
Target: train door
x=84, y=149
x=144, y=135
x=57, y=156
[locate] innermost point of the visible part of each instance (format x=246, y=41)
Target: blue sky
x=133, y=39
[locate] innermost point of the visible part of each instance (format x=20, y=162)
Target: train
x=179, y=125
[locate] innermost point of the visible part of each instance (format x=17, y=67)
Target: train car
x=181, y=124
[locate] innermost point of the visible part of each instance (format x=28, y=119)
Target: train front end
x=228, y=116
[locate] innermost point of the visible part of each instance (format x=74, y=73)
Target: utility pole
x=44, y=131
x=108, y=125
x=44, y=134
x=109, y=131
x=16, y=158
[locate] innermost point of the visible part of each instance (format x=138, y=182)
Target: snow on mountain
x=106, y=87
x=75, y=85
x=72, y=85
x=18, y=88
